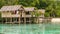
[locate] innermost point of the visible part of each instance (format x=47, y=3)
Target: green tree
x=37, y=15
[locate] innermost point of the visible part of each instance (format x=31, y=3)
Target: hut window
x=15, y=12
x=27, y=13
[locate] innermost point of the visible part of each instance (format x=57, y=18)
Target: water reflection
x=29, y=29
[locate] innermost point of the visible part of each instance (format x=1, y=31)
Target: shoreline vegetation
x=52, y=7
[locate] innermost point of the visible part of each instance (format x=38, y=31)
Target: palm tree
x=37, y=14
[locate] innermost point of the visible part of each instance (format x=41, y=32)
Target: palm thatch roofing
x=29, y=8
x=11, y=8
x=41, y=10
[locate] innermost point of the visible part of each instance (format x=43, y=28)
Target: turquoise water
x=29, y=29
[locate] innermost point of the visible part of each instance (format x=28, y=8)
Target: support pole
x=30, y=20
x=24, y=20
x=2, y=19
x=19, y=20
x=6, y=20
x=11, y=20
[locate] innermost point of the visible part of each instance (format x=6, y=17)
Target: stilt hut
x=11, y=14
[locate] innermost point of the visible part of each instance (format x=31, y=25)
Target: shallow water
x=29, y=29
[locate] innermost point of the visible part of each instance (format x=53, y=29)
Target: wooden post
x=2, y=20
x=6, y=20
x=19, y=20
x=30, y=20
x=11, y=20
x=24, y=20
x=37, y=20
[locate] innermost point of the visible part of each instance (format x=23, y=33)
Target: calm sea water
x=29, y=29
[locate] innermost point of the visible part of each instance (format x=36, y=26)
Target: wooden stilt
x=11, y=20
x=2, y=20
x=19, y=20
x=37, y=20
x=24, y=20
x=6, y=20
x=29, y=20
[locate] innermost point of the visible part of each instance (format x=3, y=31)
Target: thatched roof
x=41, y=10
x=11, y=8
x=29, y=8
